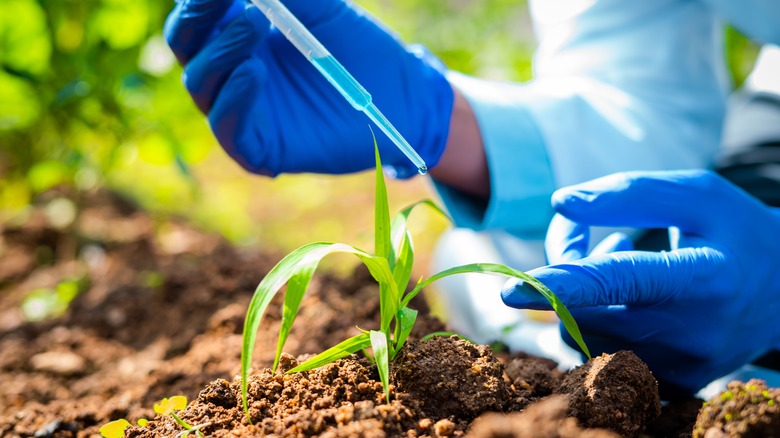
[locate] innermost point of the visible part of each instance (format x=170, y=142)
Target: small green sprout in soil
x=743, y=409
x=114, y=429
x=166, y=406
x=391, y=266
x=169, y=406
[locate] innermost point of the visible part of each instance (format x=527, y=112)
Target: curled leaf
x=114, y=429
x=168, y=406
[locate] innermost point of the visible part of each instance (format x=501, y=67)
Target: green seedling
x=166, y=406
x=114, y=429
x=391, y=266
x=169, y=406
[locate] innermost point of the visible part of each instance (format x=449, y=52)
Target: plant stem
x=184, y=424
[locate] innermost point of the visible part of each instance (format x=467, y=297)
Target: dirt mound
x=744, y=409
x=157, y=310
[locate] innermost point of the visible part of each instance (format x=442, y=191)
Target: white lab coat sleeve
x=619, y=85
x=758, y=19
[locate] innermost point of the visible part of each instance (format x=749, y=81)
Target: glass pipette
x=336, y=74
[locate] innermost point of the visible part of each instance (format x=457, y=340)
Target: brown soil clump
x=613, y=391
x=160, y=312
x=744, y=410
x=451, y=377
x=546, y=419
x=533, y=377
x=340, y=399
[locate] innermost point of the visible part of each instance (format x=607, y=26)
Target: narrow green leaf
x=389, y=303
x=379, y=344
x=402, y=217
x=389, y=296
x=296, y=289
x=332, y=354
x=492, y=268
x=382, y=245
x=402, y=243
x=405, y=322
x=297, y=263
x=403, y=265
x=399, y=228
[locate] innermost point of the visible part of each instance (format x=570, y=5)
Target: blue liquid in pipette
x=360, y=99
x=355, y=94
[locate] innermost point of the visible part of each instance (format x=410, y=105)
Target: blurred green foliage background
x=90, y=96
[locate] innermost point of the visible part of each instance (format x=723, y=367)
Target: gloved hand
x=273, y=112
x=694, y=313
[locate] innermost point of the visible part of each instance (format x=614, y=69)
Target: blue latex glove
x=273, y=112
x=694, y=313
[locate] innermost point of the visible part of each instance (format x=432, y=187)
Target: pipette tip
x=423, y=169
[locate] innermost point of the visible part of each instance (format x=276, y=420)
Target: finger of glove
x=205, y=75
x=566, y=240
x=311, y=14
x=686, y=199
x=192, y=24
x=233, y=118
x=628, y=277
x=616, y=241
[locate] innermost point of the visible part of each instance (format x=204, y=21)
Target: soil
x=615, y=391
x=745, y=409
x=160, y=313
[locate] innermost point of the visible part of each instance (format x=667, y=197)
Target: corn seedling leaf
x=404, y=323
x=402, y=218
x=296, y=289
x=143, y=422
x=170, y=405
x=497, y=269
x=389, y=299
x=303, y=259
x=403, y=265
x=382, y=243
x=389, y=296
x=402, y=243
x=114, y=429
x=332, y=354
x=381, y=355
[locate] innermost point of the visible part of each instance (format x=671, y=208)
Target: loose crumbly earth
x=613, y=391
x=547, y=418
x=160, y=313
x=745, y=410
x=451, y=377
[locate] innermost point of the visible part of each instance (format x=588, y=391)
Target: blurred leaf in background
x=91, y=96
x=741, y=54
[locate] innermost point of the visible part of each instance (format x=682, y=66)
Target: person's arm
x=618, y=85
x=463, y=165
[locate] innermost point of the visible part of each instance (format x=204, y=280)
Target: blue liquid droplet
x=423, y=170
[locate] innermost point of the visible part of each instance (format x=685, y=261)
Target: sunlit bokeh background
x=90, y=96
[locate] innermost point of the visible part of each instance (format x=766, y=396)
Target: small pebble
x=59, y=362
x=444, y=427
